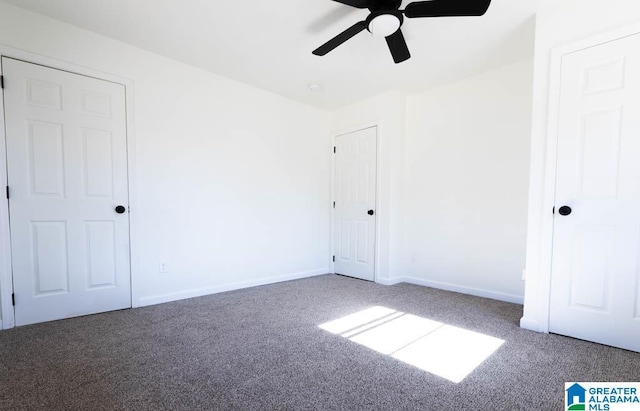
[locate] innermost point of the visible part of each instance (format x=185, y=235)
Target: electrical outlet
x=162, y=267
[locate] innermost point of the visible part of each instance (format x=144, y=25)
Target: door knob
x=565, y=210
x=120, y=209
x=370, y=212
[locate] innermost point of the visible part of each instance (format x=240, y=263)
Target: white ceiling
x=268, y=44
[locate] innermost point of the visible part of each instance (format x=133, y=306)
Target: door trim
x=376, y=245
x=543, y=170
x=7, y=313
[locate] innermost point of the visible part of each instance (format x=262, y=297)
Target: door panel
x=67, y=171
x=98, y=164
x=46, y=162
x=101, y=254
x=600, y=153
x=356, y=164
x=595, y=274
x=592, y=262
x=50, y=266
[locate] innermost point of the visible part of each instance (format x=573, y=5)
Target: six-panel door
x=595, y=290
x=355, y=191
x=67, y=171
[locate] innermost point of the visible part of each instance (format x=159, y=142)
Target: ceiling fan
x=386, y=18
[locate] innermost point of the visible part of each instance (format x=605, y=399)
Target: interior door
x=67, y=174
x=355, y=214
x=595, y=290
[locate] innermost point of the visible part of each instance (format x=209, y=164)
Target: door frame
x=376, y=245
x=7, y=311
x=539, y=265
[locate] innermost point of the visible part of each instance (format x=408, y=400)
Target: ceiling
x=268, y=44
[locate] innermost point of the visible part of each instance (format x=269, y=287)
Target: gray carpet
x=261, y=348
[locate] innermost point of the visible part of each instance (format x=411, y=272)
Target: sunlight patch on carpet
x=444, y=350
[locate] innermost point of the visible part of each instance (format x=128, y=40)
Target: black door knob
x=565, y=210
x=370, y=212
x=120, y=209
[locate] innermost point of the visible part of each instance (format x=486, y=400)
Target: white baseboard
x=181, y=295
x=529, y=324
x=494, y=295
x=390, y=281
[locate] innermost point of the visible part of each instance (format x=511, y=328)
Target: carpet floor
x=262, y=348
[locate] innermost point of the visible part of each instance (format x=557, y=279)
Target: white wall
x=569, y=21
x=453, y=190
x=232, y=183
x=387, y=111
x=467, y=164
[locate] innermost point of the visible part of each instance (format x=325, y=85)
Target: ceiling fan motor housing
x=384, y=22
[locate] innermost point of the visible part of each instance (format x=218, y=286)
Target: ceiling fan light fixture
x=384, y=25
x=386, y=18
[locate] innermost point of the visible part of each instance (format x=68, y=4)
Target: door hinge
x=334, y=204
x=553, y=211
x=13, y=299
x=334, y=258
x=334, y=149
x=7, y=192
x=1, y=81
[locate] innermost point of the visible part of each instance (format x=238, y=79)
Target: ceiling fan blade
x=340, y=38
x=447, y=8
x=398, y=47
x=359, y=4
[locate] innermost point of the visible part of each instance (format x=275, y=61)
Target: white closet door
x=595, y=290
x=355, y=217
x=67, y=170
